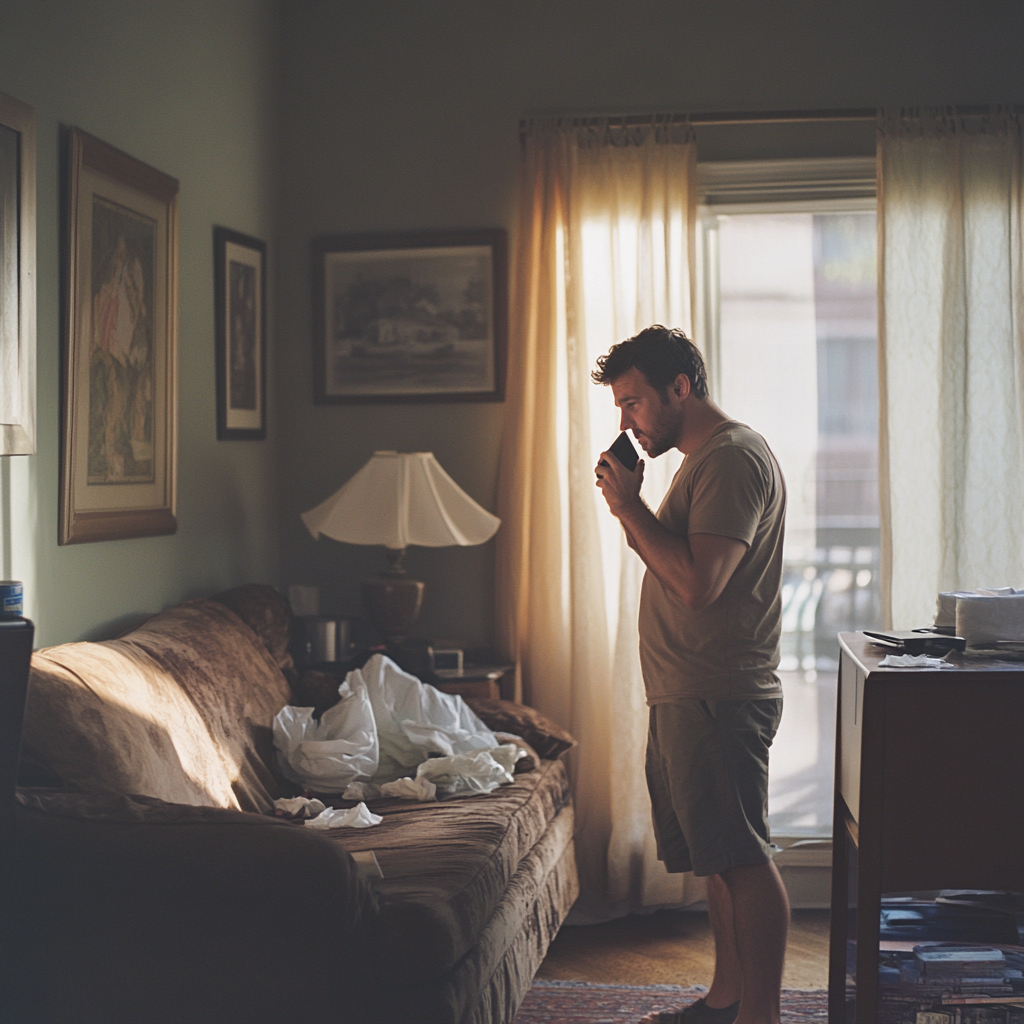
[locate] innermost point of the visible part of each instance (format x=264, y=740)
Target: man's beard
x=657, y=444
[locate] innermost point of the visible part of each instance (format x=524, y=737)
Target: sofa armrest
x=204, y=917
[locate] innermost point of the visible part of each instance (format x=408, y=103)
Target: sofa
x=153, y=883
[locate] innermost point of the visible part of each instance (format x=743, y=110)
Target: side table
x=495, y=681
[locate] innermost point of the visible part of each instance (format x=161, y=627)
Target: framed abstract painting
x=240, y=302
x=119, y=402
x=410, y=317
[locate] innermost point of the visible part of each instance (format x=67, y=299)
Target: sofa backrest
x=179, y=709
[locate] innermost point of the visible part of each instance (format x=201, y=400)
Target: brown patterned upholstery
x=180, y=709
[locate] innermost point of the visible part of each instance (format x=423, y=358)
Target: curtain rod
x=777, y=116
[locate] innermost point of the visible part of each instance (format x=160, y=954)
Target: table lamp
x=398, y=499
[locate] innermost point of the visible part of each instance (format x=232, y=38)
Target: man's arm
x=695, y=569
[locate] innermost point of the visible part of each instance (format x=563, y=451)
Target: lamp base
x=393, y=603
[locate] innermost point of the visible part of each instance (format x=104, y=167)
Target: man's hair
x=660, y=354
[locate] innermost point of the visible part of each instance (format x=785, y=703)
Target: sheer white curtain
x=604, y=249
x=950, y=350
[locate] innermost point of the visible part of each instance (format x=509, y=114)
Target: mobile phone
x=622, y=448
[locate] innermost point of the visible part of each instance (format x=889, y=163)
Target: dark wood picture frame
x=119, y=386
x=17, y=277
x=412, y=317
x=240, y=300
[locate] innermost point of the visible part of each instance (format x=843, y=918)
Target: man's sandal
x=700, y=1013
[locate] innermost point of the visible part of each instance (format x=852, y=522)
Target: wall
x=191, y=88
x=401, y=115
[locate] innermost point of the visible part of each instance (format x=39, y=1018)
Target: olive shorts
x=707, y=772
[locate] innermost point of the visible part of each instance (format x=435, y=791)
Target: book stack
x=944, y=983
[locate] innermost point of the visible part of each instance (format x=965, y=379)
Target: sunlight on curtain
x=951, y=473
x=605, y=248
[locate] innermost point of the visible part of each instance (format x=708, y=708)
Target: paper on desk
x=359, y=816
x=913, y=661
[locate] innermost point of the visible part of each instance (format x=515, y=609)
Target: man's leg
x=727, y=983
x=760, y=914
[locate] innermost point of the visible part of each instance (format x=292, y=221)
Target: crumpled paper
x=359, y=816
x=913, y=661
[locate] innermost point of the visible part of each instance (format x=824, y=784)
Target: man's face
x=655, y=419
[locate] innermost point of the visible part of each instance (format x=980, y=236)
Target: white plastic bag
x=415, y=720
x=327, y=755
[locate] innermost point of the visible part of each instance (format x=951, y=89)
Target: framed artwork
x=411, y=317
x=17, y=277
x=118, y=465
x=239, y=298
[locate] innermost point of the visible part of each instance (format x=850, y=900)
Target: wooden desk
x=929, y=794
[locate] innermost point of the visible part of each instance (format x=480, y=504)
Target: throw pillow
x=550, y=741
x=267, y=614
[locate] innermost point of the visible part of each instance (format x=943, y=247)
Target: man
x=710, y=620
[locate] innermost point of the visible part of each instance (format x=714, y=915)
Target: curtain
x=950, y=345
x=604, y=248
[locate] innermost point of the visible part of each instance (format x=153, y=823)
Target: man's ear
x=681, y=387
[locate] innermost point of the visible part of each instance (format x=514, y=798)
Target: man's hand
x=695, y=569
x=620, y=487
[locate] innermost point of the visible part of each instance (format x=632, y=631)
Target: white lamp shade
x=398, y=499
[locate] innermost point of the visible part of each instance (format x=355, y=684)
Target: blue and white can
x=12, y=597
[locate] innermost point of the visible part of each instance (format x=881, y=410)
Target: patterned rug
x=579, y=1002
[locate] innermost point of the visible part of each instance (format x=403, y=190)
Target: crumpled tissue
x=298, y=807
x=913, y=661
x=359, y=816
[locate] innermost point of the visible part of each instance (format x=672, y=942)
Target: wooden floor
x=674, y=948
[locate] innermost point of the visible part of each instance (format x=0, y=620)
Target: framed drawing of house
x=17, y=277
x=239, y=300
x=411, y=318
x=118, y=465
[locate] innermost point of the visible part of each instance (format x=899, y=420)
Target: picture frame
x=119, y=386
x=240, y=301
x=17, y=277
x=412, y=317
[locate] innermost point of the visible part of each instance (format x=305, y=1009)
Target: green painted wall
x=386, y=115
x=403, y=115
x=190, y=87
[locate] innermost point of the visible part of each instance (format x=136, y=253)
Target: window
x=789, y=321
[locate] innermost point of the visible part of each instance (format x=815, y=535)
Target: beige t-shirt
x=732, y=487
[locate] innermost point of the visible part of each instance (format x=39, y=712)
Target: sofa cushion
x=179, y=709
x=446, y=867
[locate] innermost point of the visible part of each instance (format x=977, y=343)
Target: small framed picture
x=411, y=317
x=240, y=301
x=118, y=465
